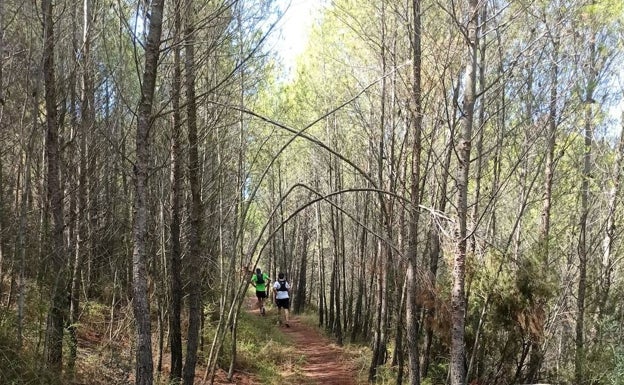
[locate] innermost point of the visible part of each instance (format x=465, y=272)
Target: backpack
x=282, y=286
x=259, y=279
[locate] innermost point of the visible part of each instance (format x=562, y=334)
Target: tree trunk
x=144, y=362
x=58, y=306
x=322, y=305
x=195, y=212
x=536, y=354
x=458, y=300
x=579, y=359
x=434, y=254
x=175, y=248
x=412, y=315
x=335, y=316
x=300, y=296
x=24, y=203
x=379, y=354
x=2, y=207
x=609, y=234
x=361, y=294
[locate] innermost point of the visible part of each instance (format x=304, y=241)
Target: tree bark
x=412, y=308
x=2, y=205
x=175, y=248
x=322, y=305
x=195, y=212
x=58, y=271
x=458, y=300
x=144, y=362
x=300, y=296
x=579, y=359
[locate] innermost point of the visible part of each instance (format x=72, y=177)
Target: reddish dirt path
x=325, y=362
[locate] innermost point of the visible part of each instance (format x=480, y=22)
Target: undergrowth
x=19, y=365
x=262, y=350
x=106, y=350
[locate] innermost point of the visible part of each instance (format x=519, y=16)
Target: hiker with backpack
x=280, y=289
x=260, y=281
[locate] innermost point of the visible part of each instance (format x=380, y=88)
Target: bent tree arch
x=238, y=297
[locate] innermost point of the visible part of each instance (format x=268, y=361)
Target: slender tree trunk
x=2, y=207
x=536, y=354
x=86, y=126
x=379, y=355
x=283, y=253
x=609, y=235
x=144, y=361
x=358, y=319
x=412, y=311
x=58, y=306
x=579, y=361
x=161, y=274
x=343, y=271
x=335, y=319
x=380, y=352
x=398, y=355
x=321, y=274
x=337, y=326
x=481, y=124
x=300, y=297
x=458, y=300
x=194, y=167
x=76, y=207
x=24, y=203
x=175, y=248
x=435, y=252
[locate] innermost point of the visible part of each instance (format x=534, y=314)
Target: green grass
x=19, y=366
x=272, y=356
x=262, y=348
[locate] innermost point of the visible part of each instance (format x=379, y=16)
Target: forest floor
x=318, y=359
x=269, y=353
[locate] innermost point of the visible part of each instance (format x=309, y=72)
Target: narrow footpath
x=325, y=362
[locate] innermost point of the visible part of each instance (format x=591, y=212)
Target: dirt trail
x=325, y=361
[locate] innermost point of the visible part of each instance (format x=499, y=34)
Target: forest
x=439, y=181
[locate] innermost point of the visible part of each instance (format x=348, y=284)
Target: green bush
x=19, y=366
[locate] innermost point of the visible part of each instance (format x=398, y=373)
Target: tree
x=144, y=363
x=58, y=304
x=412, y=317
x=195, y=210
x=175, y=248
x=458, y=301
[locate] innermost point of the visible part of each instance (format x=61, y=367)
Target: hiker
x=260, y=281
x=282, y=300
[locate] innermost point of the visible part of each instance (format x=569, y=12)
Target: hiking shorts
x=283, y=303
x=261, y=294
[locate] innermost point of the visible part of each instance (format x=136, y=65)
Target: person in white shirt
x=281, y=288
